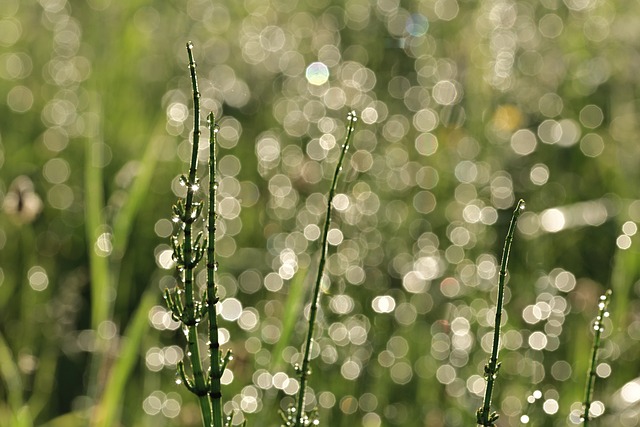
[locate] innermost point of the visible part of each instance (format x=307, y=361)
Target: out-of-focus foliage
x=465, y=106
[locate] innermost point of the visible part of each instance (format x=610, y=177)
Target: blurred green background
x=464, y=107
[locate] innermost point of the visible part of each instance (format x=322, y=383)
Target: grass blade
x=113, y=396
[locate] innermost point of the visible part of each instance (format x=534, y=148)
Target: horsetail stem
x=188, y=252
x=591, y=375
x=301, y=418
x=215, y=371
x=483, y=415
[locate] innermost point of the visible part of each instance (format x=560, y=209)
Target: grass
x=452, y=131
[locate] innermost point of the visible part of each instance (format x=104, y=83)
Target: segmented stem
x=591, y=376
x=484, y=417
x=190, y=257
x=304, y=369
x=215, y=371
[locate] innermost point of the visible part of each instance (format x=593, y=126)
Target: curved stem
x=485, y=418
x=304, y=370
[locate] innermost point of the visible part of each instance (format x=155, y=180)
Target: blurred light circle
x=630, y=392
x=56, y=171
x=20, y=98
x=629, y=228
x=417, y=25
x=446, y=374
x=230, y=309
x=623, y=242
x=551, y=25
x=401, y=373
x=550, y=406
x=591, y=116
x=592, y=145
x=537, y=340
x=539, y=174
x=523, y=142
x=446, y=9
x=383, y=304
x=550, y=131
x=552, y=220
x=445, y=92
x=350, y=370
x=317, y=73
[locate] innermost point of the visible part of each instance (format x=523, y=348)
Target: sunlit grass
x=464, y=107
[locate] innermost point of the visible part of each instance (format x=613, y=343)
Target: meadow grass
x=192, y=309
x=109, y=91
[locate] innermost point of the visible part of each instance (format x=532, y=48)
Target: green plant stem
x=591, y=375
x=215, y=371
x=484, y=417
x=192, y=314
x=10, y=375
x=304, y=370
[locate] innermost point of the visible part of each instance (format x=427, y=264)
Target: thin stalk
x=484, y=416
x=192, y=313
x=591, y=376
x=215, y=371
x=187, y=255
x=304, y=369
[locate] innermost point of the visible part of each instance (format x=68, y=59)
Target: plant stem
x=484, y=417
x=190, y=257
x=304, y=370
x=591, y=376
x=215, y=371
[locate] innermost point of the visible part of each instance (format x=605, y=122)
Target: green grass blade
x=113, y=396
x=11, y=377
x=95, y=226
x=123, y=220
x=292, y=308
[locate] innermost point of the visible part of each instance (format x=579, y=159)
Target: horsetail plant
x=187, y=253
x=484, y=415
x=296, y=415
x=591, y=375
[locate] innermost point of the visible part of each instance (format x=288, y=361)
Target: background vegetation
x=465, y=107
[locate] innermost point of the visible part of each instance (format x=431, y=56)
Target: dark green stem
x=304, y=369
x=215, y=371
x=484, y=417
x=190, y=257
x=591, y=376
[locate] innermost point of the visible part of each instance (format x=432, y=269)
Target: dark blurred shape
x=22, y=203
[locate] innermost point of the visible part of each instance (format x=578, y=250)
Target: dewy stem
x=215, y=371
x=304, y=370
x=191, y=313
x=591, y=376
x=484, y=417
